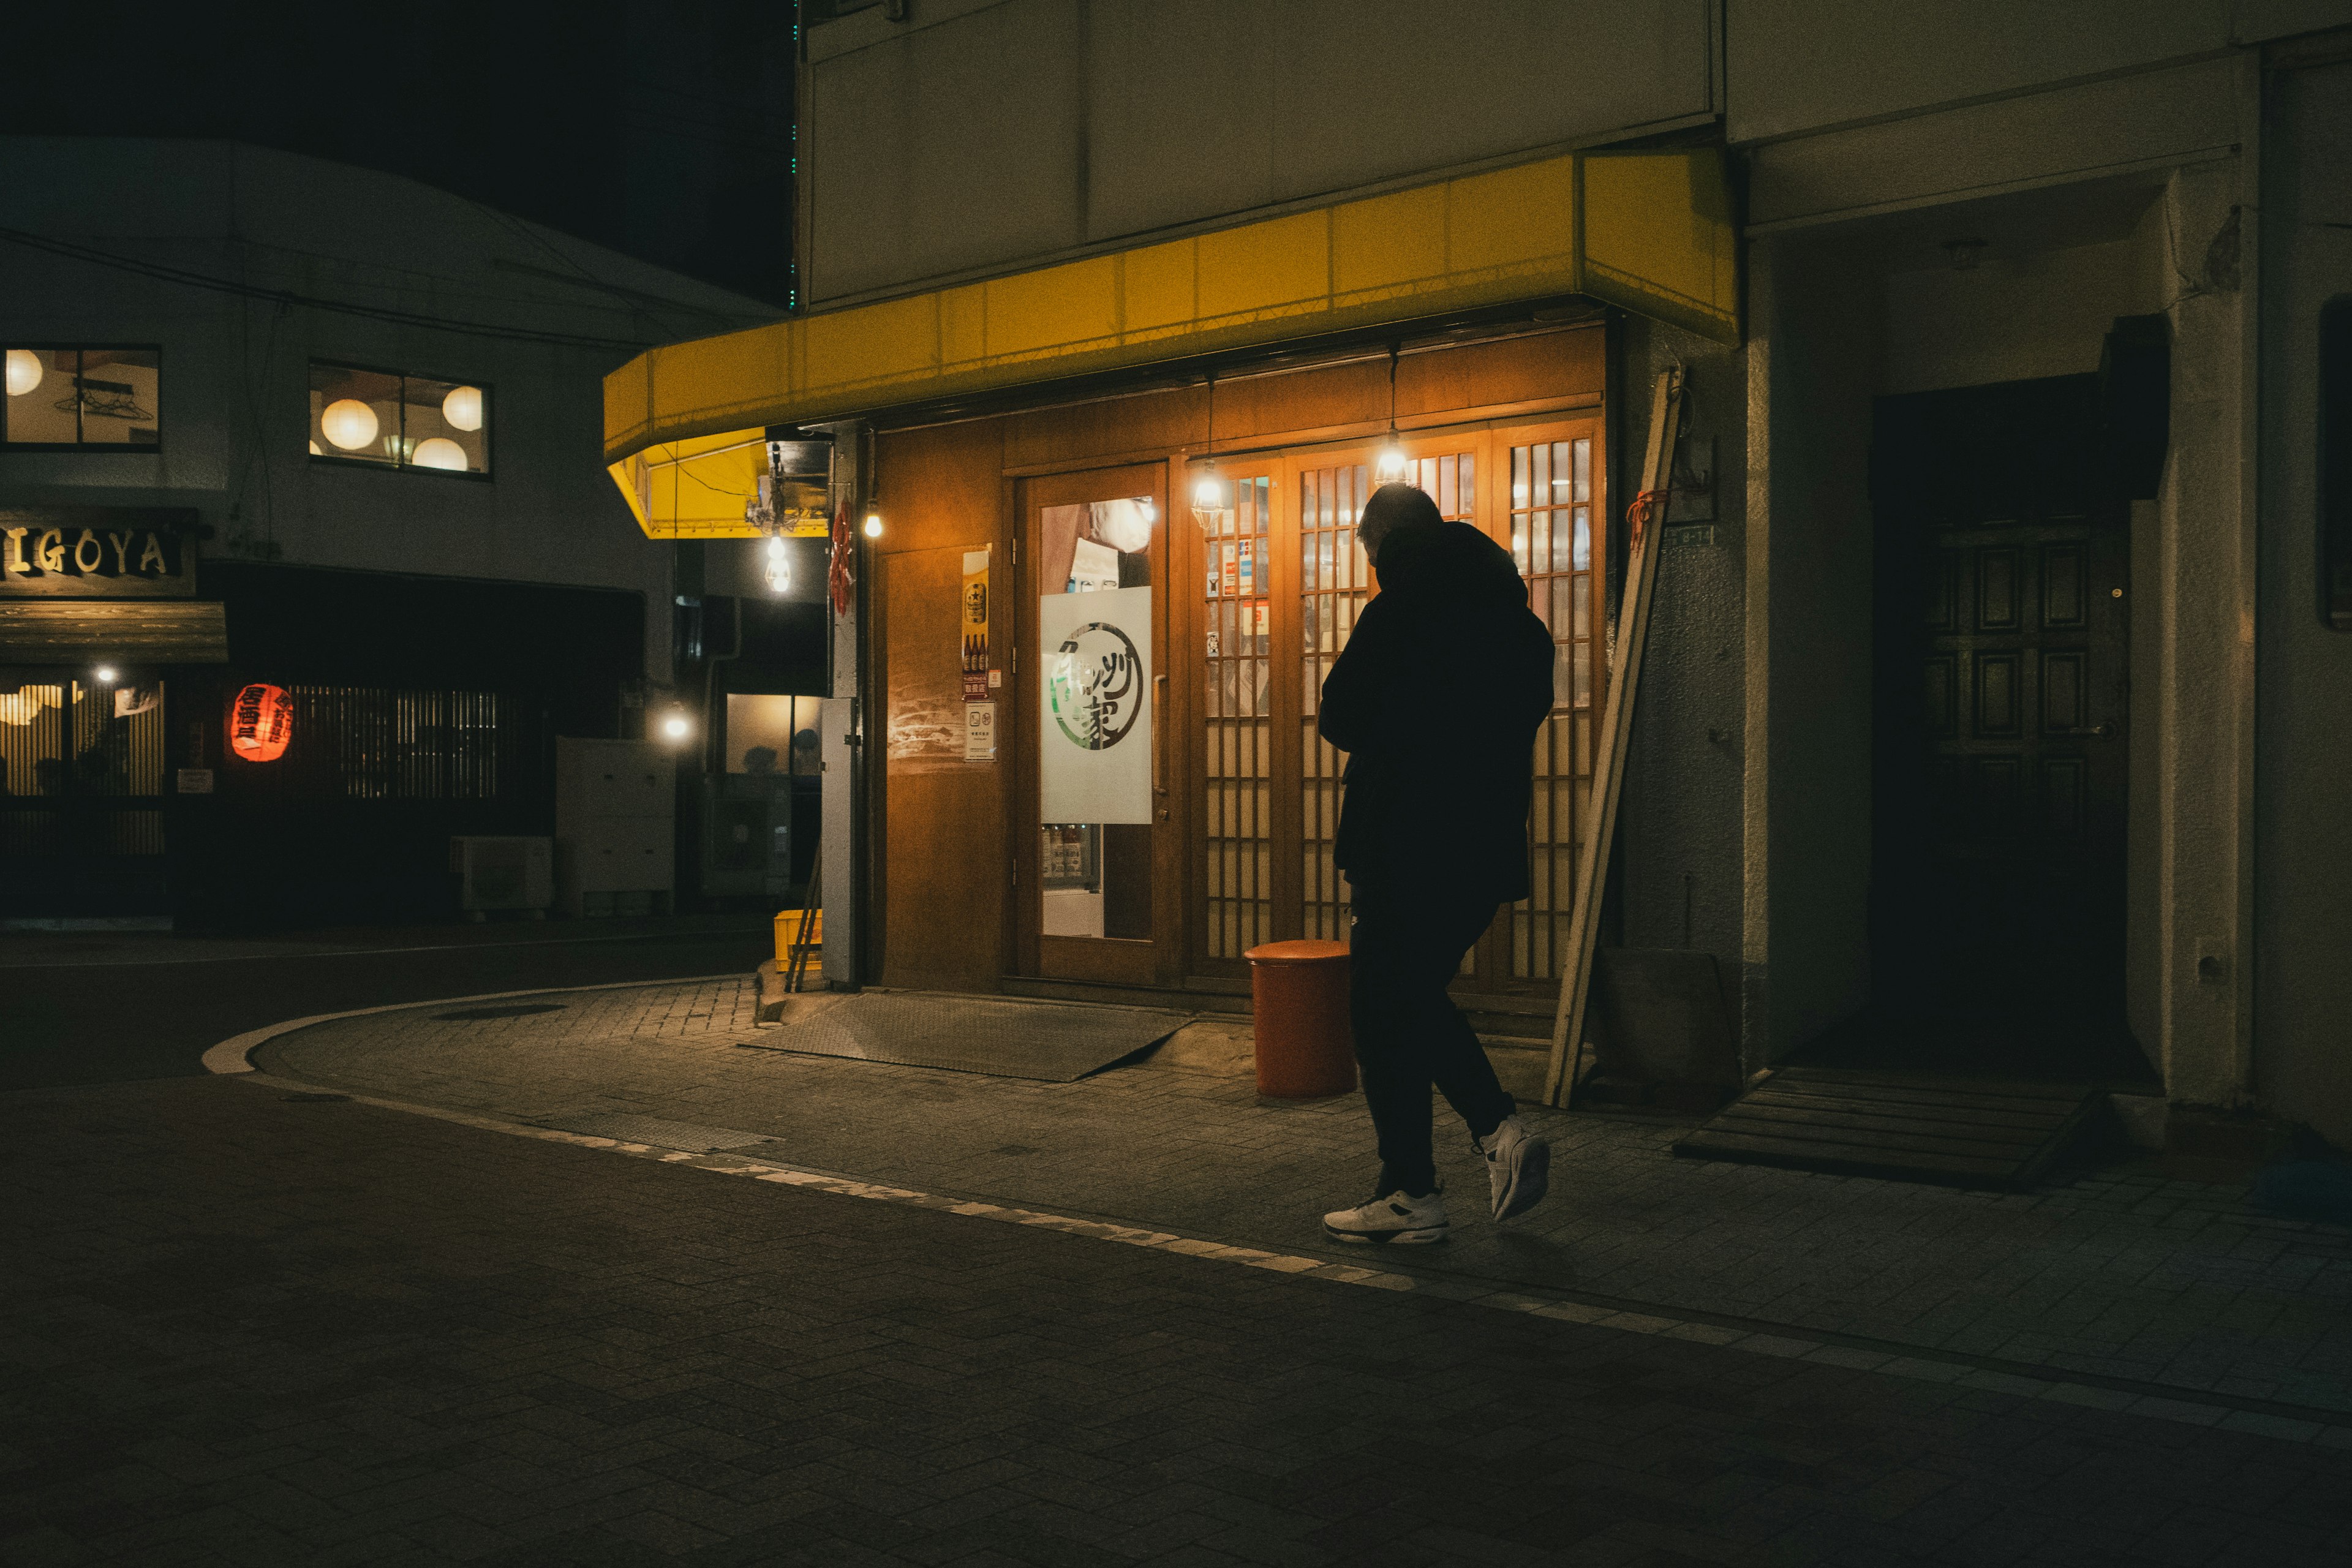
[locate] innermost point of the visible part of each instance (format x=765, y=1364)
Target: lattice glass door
x=1281, y=569
x=1237, y=700
x=1555, y=541
x=1335, y=581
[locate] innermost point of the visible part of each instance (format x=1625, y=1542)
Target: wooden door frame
x=1117, y=961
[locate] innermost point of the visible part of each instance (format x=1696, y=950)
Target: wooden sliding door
x=1280, y=577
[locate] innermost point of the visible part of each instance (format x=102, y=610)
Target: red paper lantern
x=260, y=723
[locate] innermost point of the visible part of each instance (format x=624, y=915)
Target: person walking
x=1436, y=701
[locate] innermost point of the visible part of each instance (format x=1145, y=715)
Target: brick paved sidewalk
x=2131, y=1277
x=248, y=1327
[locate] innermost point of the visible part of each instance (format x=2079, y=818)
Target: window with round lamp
x=24, y=372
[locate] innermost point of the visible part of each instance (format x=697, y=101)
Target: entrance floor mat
x=1047, y=1041
x=1912, y=1127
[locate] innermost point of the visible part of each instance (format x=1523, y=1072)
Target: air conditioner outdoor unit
x=503, y=874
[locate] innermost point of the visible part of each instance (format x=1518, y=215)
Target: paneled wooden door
x=1277, y=578
x=2004, y=672
x=1100, y=877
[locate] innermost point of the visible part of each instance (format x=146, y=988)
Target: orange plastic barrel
x=1299, y=992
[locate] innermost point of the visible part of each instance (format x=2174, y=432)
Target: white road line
x=2053, y=1387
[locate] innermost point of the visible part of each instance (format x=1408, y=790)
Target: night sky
x=660, y=130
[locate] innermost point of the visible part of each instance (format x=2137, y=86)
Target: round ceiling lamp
x=439, y=452
x=463, y=408
x=349, y=424
x=24, y=372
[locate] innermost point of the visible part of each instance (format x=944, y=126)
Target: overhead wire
x=185, y=278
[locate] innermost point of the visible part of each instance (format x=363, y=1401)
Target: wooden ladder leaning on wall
x=1647, y=518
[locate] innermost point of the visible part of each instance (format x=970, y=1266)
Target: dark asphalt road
x=249, y=1327
x=80, y=1009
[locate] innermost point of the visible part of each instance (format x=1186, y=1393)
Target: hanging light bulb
x=1388, y=466
x=780, y=565
x=676, y=726
x=1209, y=491
x=873, y=525
x=439, y=452
x=24, y=372
x=349, y=424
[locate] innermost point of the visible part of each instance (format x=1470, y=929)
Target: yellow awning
x=1650, y=231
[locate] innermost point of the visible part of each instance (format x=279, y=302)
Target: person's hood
x=1453, y=561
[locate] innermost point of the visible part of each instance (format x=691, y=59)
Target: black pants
x=1409, y=1036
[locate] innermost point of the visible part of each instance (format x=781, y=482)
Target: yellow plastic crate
x=788, y=931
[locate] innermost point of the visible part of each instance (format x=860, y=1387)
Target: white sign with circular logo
x=1094, y=731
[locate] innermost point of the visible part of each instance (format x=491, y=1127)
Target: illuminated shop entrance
x=1276, y=580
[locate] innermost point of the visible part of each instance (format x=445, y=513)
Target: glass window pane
x=117, y=388
x=1519, y=501
x=1582, y=558
x=1583, y=469
x=447, y=426
x=355, y=414
x=43, y=403
x=758, y=733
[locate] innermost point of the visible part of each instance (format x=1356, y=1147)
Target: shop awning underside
x=128, y=631
x=1651, y=232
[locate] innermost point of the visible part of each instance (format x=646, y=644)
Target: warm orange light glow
x=261, y=722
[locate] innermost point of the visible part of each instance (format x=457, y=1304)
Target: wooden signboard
x=98, y=552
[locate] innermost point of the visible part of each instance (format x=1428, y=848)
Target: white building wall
x=981, y=138
x=2302, y=984
x=234, y=377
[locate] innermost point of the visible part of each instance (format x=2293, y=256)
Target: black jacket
x=1436, y=701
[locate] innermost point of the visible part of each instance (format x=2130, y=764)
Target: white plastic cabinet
x=615, y=828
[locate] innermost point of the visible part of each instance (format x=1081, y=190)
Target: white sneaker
x=1406, y=1221
x=1518, y=1167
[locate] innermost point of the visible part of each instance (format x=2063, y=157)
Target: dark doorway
x=2003, y=695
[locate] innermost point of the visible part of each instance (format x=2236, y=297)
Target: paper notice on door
x=979, y=732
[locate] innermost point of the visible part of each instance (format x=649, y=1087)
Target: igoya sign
x=98, y=552
x=1094, y=736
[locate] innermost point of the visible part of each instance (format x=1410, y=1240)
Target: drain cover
x=519, y=1010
